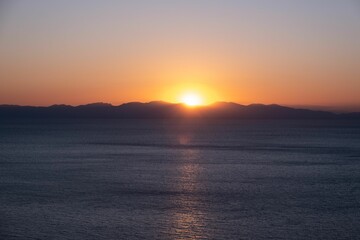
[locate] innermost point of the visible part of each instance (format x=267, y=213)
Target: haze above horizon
x=294, y=53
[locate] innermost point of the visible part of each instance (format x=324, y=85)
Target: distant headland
x=165, y=110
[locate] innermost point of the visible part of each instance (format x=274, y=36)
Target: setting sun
x=192, y=99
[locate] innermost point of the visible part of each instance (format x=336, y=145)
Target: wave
x=273, y=147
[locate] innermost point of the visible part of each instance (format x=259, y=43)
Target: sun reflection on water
x=188, y=218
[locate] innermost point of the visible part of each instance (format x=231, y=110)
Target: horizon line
x=329, y=108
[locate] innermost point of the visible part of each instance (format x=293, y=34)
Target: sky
x=304, y=52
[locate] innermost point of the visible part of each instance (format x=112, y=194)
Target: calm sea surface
x=153, y=179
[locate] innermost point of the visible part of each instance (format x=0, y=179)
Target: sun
x=191, y=99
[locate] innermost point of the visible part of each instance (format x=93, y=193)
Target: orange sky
x=304, y=53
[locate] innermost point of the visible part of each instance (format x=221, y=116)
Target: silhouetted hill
x=159, y=109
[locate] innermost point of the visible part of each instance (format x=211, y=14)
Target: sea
x=179, y=179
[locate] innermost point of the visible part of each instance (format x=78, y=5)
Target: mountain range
x=164, y=110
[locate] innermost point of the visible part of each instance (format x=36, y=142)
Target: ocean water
x=167, y=179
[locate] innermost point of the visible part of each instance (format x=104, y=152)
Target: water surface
x=166, y=179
